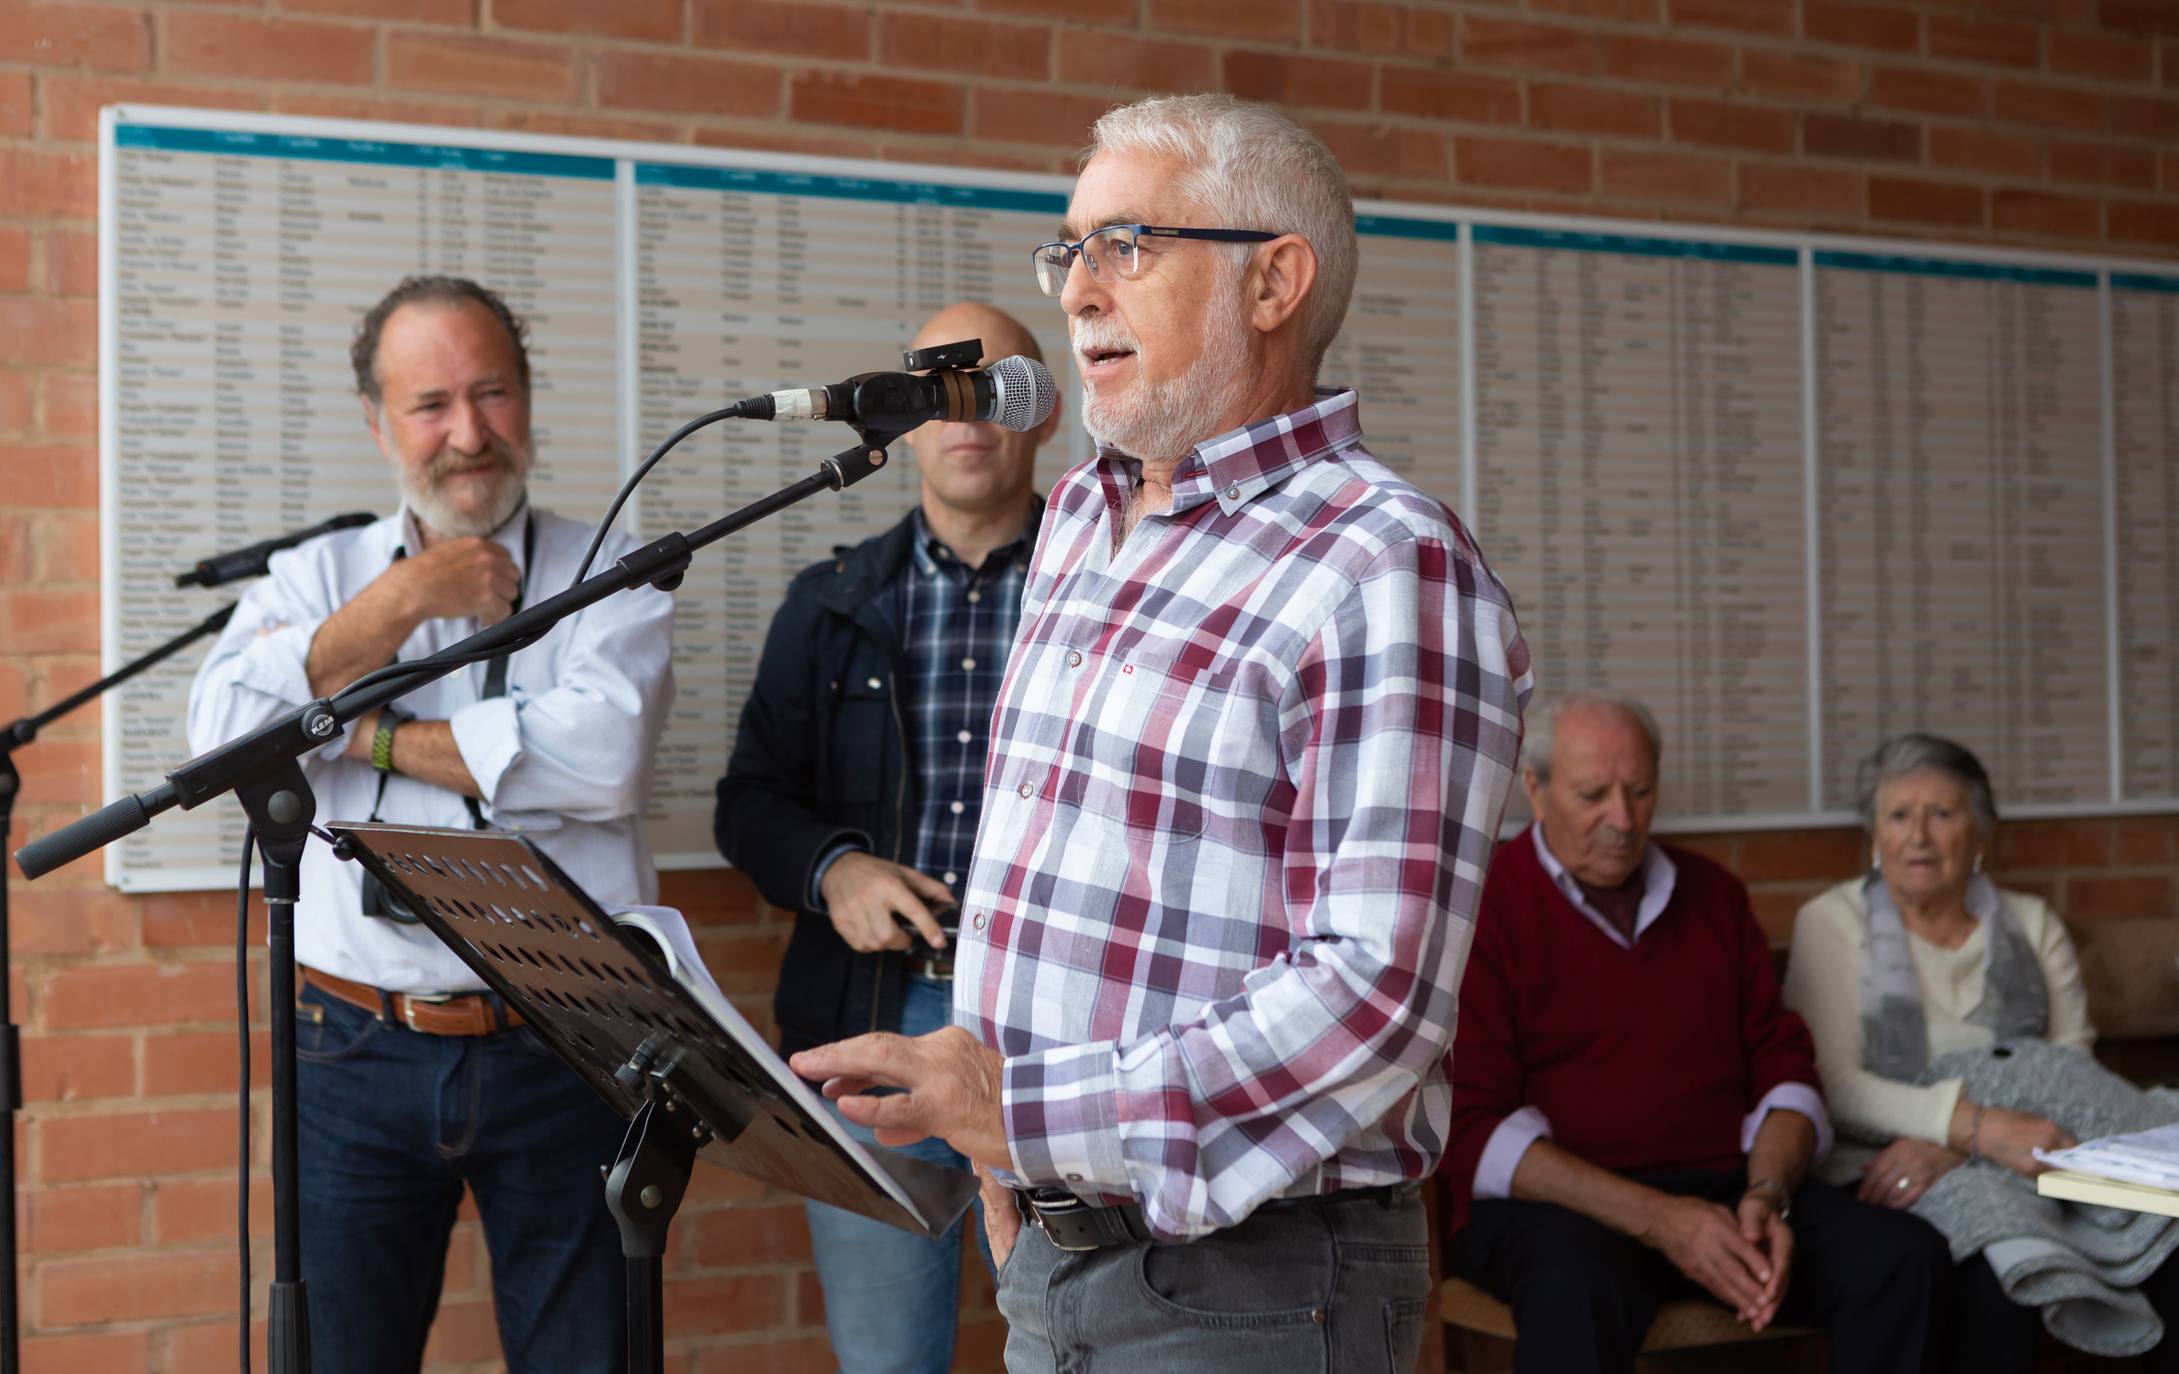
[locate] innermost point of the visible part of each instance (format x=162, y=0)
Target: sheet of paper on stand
x=669, y=930
x=2147, y=1157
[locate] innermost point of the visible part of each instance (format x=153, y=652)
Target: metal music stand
x=693, y=1079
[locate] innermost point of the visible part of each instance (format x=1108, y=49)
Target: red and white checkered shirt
x=1245, y=777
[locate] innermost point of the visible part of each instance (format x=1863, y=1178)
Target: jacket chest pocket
x=863, y=743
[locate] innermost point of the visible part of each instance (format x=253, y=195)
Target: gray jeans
x=1332, y=1285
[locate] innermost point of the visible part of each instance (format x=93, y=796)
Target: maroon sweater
x=1642, y=1059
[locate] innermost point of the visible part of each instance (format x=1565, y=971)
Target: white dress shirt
x=1502, y=1152
x=564, y=757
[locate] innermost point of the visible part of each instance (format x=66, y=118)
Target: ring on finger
x=1904, y=1183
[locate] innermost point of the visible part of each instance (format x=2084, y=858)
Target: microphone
x=1013, y=393
x=249, y=561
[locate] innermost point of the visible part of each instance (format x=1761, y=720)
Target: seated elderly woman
x=1923, y=958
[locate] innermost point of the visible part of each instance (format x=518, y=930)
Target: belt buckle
x=1070, y=1203
x=410, y=1001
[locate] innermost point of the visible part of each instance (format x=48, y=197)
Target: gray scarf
x=1894, y=1035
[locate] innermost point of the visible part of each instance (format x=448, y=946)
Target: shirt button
x=1027, y=790
x=1074, y=1178
x=1074, y=658
x=957, y=808
x=976, y=922
x=968, y=665
x=1233, y=491
x=875, y=684
x=974, y=597
x=950, y=879
x=964, y=737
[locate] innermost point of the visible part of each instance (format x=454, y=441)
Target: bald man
x=852, y=798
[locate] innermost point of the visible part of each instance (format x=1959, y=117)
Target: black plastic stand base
x=644, y=1190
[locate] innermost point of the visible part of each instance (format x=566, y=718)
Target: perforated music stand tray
x=691, y=1074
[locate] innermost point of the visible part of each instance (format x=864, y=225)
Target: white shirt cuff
x=1502, y=1152
x=1790, y=1097
x=489, y=737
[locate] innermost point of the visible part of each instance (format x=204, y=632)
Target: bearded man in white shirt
x=415, y=1082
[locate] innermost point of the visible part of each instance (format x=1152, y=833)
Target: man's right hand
x=1704, y=1242
x=862, y=892
x=453, y=579
x=1002, y=1219
x=456, y=579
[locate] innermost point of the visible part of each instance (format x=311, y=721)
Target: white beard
x=1163, y=420
x=442, y=518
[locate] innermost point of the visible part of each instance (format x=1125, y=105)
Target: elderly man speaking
x=1251, y=752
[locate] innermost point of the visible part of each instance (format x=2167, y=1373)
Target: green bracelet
x=382, y=741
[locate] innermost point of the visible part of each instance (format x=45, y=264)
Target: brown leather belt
x=464, y=1013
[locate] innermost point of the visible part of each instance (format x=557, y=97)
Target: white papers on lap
x=2147, y=1157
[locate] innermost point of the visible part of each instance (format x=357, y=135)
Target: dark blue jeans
x=394, y=1126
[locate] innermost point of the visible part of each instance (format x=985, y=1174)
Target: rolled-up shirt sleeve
x=582, y=749
x=258, y=668
x=1398, y=733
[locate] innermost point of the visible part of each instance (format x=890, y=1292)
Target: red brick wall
x=2043, y=122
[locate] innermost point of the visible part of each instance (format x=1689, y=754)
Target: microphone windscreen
x=1022, y=393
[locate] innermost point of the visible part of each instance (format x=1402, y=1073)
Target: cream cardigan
x=1823, y=982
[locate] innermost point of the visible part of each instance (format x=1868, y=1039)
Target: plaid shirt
x=957, y=623
x=1246, y=774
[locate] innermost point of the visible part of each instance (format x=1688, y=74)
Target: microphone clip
x=951, y=357
x=852, y=465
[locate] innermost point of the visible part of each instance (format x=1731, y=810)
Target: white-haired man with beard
x=1247, y=765
x=415, y=1082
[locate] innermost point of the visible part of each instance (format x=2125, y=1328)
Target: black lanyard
x=495, y=670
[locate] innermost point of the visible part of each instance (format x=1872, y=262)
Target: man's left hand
x=1761, y=1225
x=949, y=1083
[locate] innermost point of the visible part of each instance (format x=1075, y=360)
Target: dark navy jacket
x=821, y=757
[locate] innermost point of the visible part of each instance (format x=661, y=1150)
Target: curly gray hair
x=1252, y=168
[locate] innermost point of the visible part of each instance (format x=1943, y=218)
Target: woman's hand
x=1903, y=1170
x=2012, y=1138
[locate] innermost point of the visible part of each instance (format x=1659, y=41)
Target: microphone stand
x=12, y=737
x=263, y=771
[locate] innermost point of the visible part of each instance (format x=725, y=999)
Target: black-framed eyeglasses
x=1115, y=246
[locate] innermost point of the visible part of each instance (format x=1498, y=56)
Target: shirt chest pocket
x=1140, y=749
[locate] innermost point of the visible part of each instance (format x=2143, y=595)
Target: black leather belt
x=1069, y=1223
x=937, y=970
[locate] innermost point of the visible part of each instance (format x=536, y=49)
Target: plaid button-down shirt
x=956, y=625
x=1246, y=774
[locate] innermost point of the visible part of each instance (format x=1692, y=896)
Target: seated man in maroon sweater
x=1634, y=1109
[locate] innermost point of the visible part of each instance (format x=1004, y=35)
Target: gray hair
x=1542, y=729
x=1900, y=755
x=1252, y=168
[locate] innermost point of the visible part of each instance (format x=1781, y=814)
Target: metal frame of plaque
x=693, y=1084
